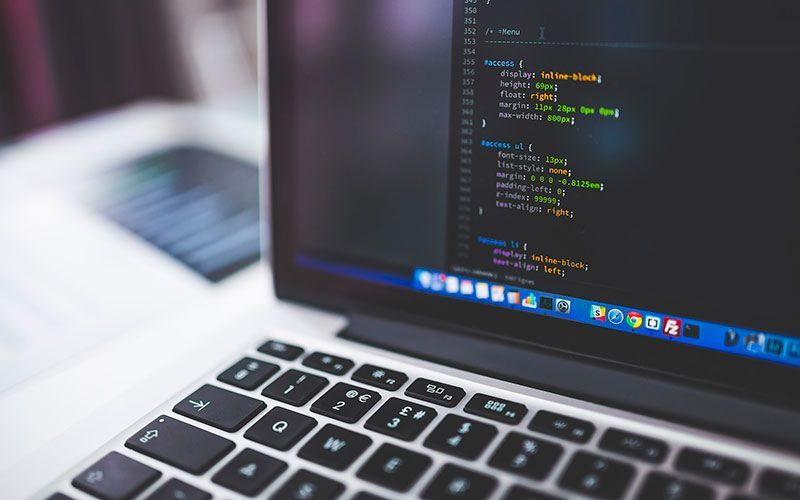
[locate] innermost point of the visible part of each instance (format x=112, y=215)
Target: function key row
x=317, y=360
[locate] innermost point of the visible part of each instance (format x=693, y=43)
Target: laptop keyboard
x=398, y=439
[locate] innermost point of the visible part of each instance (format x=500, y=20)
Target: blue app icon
x=615, y=316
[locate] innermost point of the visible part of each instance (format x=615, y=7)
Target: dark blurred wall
x=60, y=59
x=5, y=91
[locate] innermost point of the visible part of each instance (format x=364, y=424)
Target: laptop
x=521, y=250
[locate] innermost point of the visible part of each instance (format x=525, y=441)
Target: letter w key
x=334, y=447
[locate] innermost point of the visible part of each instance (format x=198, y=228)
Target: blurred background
x=63, y=59
x=129, y=148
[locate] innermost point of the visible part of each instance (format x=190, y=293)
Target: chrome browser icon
x=634, y=319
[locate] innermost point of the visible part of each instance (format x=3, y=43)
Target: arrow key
x=217, y=407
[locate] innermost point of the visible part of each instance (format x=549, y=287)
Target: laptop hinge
x=694, y=405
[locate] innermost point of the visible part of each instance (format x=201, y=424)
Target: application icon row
x=668, y=326
x=680, y=329
x=439, y=282
x=758, y=343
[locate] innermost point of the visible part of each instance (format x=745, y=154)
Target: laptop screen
x=618, y=172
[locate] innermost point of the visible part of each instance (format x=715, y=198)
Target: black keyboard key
x=334, y=447
x=345, y=402
x=498, y=409
x=660, y=486
x=457, y=483
x=280, y=428
x=116, y=476
x=328, y=363
x=435, y=392
x=401, y=419
x=461, y=437
x=281, y=350
x=175, y=489
x=180, y=444
x=394, y=468
x=596, y=476
x=634, y=446
x=739, y=496
x=527, y=456
x=520, y=493
x=59, y=496
x=248, y=373
x=382, y=378
x=295, y=387
x=779, y=484
x=219, y=408
x=363, y=495
x=305, y=485
x=249, y=472
x=568, y=428
x=711, y=466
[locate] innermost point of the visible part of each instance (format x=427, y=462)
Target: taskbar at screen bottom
x=669, y=328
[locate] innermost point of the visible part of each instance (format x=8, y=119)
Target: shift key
x=179, y=444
